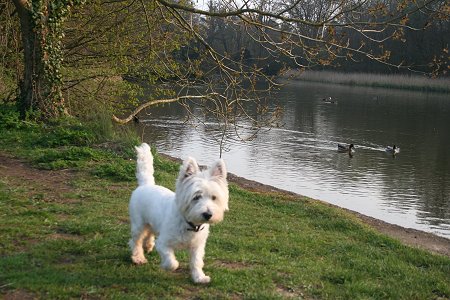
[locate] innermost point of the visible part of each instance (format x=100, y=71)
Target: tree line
x=418, y=42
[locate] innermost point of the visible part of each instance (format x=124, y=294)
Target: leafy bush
x=72, y=157
x=66, y=136
x=9, y=117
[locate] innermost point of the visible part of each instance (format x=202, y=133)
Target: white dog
x=179, y=220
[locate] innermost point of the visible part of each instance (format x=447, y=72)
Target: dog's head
x=202, y=196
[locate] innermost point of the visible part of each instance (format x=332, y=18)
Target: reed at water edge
x=393, y=81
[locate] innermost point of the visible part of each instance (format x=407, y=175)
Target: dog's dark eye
x=214, y=197
x=196, y=198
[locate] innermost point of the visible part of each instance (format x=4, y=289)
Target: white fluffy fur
x=201, y=199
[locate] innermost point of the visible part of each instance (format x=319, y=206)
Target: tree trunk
x=40, y=87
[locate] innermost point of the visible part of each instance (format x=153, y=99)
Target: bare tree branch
x=156, y=102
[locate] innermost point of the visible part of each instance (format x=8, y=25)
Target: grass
x=393, y=81
x=66, y=237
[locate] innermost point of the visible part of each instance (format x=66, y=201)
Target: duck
x=392, y=149
x=329, y=100
x=343, y=148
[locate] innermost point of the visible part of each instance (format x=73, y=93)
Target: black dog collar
x=195, y=228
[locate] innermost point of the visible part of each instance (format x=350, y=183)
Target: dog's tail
x=144, y=169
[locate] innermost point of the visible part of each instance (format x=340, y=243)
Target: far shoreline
x=388, y=81
x=409, y=236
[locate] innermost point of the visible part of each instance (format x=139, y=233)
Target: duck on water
x=350, y=149
x=392, y=149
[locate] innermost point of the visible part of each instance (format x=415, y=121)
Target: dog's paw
x=171, y=265
x=202, y=279
x=149, y=248
x=139, y=260
x=149, y=244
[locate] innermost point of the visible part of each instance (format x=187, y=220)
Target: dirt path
x=56, y=183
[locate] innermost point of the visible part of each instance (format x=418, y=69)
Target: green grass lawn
x=64, y=234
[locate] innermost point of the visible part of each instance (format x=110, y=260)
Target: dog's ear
x=218, y=169
x=189, y=168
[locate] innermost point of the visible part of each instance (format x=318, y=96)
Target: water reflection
x=411, y=189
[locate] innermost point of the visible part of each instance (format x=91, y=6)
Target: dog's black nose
x=206, y=215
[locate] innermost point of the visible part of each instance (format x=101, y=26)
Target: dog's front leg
x=168, y=259
x=196, y=264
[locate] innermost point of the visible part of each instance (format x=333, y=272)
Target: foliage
x=112, y=50
x=48, y=19
x=79, y=55
x=9, y=117
x=64, y=235
x=10, y=62
x=42, y=30
x=120, y=171
x=67, y=135
x=62, y=158
x=65, y=142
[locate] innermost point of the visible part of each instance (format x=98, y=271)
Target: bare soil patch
x=232, y=265
x=19, y=295
x=53, y=184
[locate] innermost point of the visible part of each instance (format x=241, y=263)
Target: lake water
x=410, y=189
